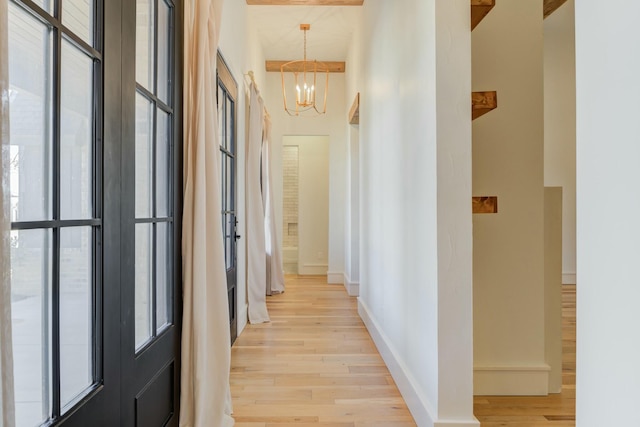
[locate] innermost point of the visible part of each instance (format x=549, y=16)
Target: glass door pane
x=31, y=256
x=78, y=16
x=144, y=280
x=76, y=312
x=30, y=71
x=76, y=134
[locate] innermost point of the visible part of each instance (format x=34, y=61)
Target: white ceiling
x=278, y=28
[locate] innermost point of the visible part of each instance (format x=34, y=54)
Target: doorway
x=306, y=204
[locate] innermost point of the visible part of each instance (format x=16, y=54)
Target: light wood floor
x=555, y=410
x=315, y=365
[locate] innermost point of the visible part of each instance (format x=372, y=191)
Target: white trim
x=530, y=380
x=353, y=288
x=569, y=278
x=418, y=404
x=310, y=269
x=335, y=278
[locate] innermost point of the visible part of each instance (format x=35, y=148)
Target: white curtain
x=7, y=410
x=206, y=351
x=256, y=252
x=275, y=273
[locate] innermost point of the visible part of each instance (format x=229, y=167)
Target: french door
x=226, y=98
x=95, y=193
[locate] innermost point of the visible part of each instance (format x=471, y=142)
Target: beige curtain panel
x=256, y=249
x=275, y=273
x=206, y=351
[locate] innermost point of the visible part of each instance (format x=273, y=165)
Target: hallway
x=313, y=365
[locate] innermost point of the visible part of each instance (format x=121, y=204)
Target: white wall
x=242, y=52
x=313, y=202
x=608, y=202
x=560, y=123
x=508, y=144
x=331, y=124
x=411, y=64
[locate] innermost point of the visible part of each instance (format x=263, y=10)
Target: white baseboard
x=353, y=288
x=420, y=408
x=568, y=278
x=334, y=278
x=530, y=380
x=312, y=269
x=243, y=318
x=455, y=423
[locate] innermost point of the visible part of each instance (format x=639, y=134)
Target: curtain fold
x=256, y=249
x=7, y=403
x=206, y=352
x=275, y=273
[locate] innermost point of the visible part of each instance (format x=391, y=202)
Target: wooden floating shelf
x=482, y=103
x=354, y=113
x=551, y=6
x=334, y=66
x=480, y=9
x=484, y=205
x=305, y=2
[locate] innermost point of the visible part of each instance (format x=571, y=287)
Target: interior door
x=227, y=95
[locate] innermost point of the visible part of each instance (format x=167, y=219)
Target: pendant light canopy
x=308, y=82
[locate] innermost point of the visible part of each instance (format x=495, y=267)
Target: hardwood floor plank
x=313, y=365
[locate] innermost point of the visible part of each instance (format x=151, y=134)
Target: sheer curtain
x=256, y=253
x=206, y=351
x=7, y=410
x=275, y=273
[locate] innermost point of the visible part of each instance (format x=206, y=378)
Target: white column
x=608, y=208
x=508, y=162
x=455, y=234
x=415, y=192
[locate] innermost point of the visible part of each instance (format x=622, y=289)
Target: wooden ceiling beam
x=551, y=6
x=334, y=66
x=305, y=2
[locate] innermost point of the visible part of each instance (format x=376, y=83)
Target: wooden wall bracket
x=482, y=103
x=484, y=205
x=480, y=9
x=551, y=6
x=354, y=113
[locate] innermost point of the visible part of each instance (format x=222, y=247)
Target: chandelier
x=304, y=83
